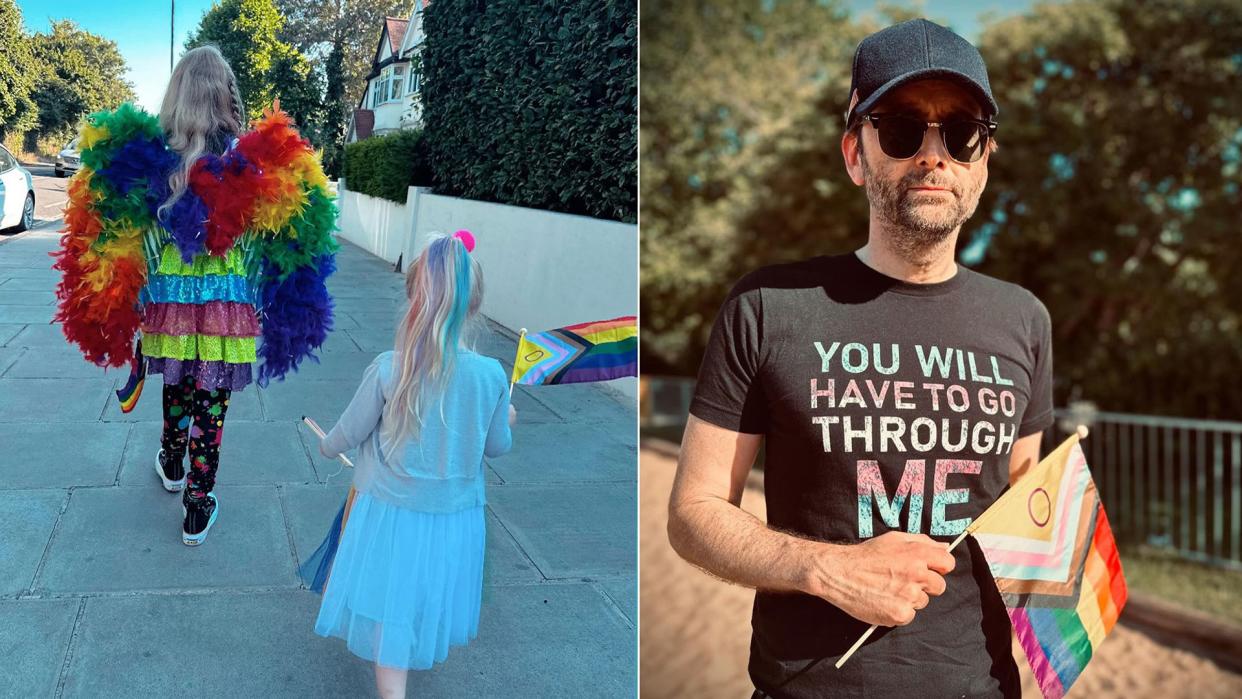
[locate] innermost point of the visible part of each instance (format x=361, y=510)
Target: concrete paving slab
x=372, y=338
x=14, y=297
x=531, y=411
x=322, y=400
x=379, y=319
x=505, y=561
x=581, y=647
x=53, y=400
x=219, y=645
x=26, y=518
x=34, y=638
x=26, y=314
x=51, y=455
x=48, y=275
x=310, y=510
x=243, y=404
x=26, y=283
x=572, y=531
x=541, y=456
x=8, y=331
x=338, y=341
x=40, y=335
x=251, y=453
x=129, y=539
x=625, y=594
x=341, y=366
x=8, y=357
x=588, y=403
x=50, y=363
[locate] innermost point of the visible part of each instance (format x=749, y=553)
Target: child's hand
x=512, y=415
x=325, y=454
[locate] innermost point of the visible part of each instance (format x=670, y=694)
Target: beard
x=917, y=222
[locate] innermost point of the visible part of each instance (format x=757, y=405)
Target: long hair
x=444, y=286
x=202, y=99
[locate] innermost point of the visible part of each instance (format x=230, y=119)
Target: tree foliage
x=386, y=166
x=80, y=73
x=18, y=112
x=316, y=27
x=1113, y=198
x=247, y=32
x=534, y=103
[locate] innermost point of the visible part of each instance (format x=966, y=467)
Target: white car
x=67, y=160
x=17, y=197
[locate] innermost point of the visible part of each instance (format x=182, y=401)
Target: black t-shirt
x=884, y=405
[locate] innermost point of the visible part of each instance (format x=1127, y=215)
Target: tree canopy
x=1113, y=198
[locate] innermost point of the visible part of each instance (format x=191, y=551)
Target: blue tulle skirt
x=402, y=585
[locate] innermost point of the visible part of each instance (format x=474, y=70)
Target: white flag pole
x=317, y=430
x=1082, y=434
x=515, y=359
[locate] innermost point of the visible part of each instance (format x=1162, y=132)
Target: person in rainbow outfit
x=202, y=239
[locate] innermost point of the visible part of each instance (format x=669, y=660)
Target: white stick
x=317, y=430
x=515, y=362
x=1082, y=434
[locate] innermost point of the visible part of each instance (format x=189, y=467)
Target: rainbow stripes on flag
x=129, y=394
x=599, y=351
x=1052, y=553
x=318, y=568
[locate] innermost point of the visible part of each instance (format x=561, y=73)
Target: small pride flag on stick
x=1051, y=551
x=599, y=351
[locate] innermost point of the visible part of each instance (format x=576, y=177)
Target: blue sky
x=141, y=29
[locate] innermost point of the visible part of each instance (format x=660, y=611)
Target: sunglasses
x=901, y=136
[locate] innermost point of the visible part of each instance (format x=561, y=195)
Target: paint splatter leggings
x=195, y=417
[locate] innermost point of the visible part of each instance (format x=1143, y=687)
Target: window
x=415, y=82
x=6, y=161
x=397, y=77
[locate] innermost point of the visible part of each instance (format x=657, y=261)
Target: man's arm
x=882, y=581
x=1024, y=456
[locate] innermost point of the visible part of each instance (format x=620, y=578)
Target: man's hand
x=512, y=415
x=883, y=580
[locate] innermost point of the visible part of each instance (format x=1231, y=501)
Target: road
x=50, y=193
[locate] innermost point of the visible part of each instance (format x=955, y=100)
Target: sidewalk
x=98, y=597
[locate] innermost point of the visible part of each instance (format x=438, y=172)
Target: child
x=407, y=576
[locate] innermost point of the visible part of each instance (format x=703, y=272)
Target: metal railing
x=1171, y=483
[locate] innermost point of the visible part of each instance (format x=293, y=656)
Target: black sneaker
x=200, y=514
x=172, y=474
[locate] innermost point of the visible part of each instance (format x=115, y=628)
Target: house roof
x=396, y=32
x=364, y=123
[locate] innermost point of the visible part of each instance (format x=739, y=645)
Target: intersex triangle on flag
x=1051, y=551
x=598, y=351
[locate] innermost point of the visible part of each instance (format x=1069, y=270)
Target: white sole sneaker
x=170, y=486
x=196, y=539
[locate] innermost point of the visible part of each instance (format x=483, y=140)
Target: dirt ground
x=695, y=630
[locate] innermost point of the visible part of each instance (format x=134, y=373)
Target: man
x=898, y=394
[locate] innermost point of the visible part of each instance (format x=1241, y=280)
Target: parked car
x=67, y=160
x=17, y=197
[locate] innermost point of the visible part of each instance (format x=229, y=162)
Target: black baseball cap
x=915, y=50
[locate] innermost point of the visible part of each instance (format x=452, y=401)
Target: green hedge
x=534, y=103
x=385, y=166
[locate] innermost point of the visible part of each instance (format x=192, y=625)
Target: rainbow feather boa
x=268, y=188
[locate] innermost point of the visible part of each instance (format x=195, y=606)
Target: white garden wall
x=542, y=269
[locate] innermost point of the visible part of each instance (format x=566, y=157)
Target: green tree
x=81, y=73
x=247, y=33
x=352, y=27
x=339, y=37
x=18, y=112
x=1115, y=195
x=534, y=104
x=741, y=106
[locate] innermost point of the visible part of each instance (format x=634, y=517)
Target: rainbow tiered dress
x=244, y=253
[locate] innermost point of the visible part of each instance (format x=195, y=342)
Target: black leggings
x=195, y=416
